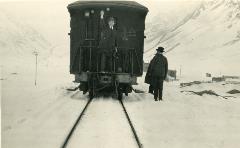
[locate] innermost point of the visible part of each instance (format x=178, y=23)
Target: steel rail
x=131, y=125
x=75, y=125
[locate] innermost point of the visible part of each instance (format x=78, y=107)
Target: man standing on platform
x=107, y=44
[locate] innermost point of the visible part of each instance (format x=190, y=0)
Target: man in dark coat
x=107, y=44
x=157, y=73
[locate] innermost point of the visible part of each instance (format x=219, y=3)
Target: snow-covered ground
x=42, y=115
x=185, y=119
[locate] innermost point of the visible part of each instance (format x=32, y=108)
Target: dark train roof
x=84, y=4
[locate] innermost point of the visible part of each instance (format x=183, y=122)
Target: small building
x=218, y=79
x=172, y=73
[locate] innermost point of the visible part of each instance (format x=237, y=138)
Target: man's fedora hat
x=160, y=49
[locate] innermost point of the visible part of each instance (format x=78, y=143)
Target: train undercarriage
x=105, y=83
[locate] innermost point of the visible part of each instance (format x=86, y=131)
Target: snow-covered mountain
x=205, y=40
x=19, y=39
x=34, y=26
x=163, y=17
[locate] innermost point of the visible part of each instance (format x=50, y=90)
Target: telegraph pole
x=180, y=70
x=36, y=54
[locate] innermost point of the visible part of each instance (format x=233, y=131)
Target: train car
x=106, y=45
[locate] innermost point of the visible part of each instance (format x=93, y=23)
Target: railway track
x=75, y=124
x=66, y=141
x=131, y=125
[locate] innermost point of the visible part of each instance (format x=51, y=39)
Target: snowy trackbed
x=131, y=124
x=75, y=130
x=76, y=123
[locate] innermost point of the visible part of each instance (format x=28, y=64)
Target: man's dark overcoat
x=157, y=70
x=109, y=39
x=107, y=44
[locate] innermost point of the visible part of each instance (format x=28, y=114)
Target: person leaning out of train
x=108, y=44
x=157, y=73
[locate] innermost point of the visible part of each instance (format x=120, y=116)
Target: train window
x=108, y=9
x=92, y=11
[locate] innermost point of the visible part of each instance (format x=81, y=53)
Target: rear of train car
x=124, y=58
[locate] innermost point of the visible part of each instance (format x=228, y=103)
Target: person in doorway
x=157, y=73
x=108, y=44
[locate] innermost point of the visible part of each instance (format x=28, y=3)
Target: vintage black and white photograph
x=120, y=74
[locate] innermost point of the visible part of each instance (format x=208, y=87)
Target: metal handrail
x=132, y=52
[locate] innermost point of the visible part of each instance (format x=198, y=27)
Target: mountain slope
x=206, y=40
x=30, y=26
x=18, y=39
